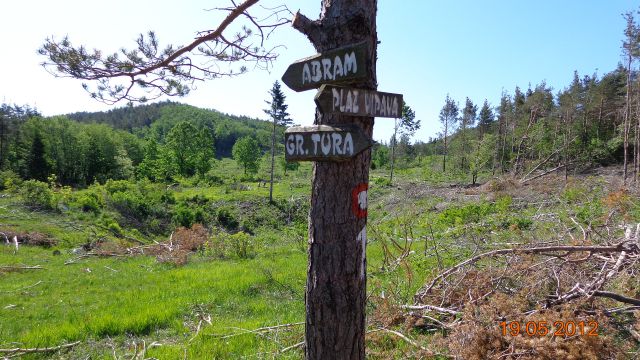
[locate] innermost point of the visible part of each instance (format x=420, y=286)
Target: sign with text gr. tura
x=358, y=102
x=324, y=142
x=341, y=65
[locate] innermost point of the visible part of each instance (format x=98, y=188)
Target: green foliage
x=382, y=181
x=90, y=200
x=247, y=153
x=227, y=218
x=277, y=110
x=9, y=180
x=142, y=204
x=191, y=148
x=186, y=215
x=471, y=213
x=380, y=156
x=224, y=245
x=37, y=194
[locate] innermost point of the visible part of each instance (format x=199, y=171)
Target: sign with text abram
x=358, y=102
x=324, y=142
x=341, y=65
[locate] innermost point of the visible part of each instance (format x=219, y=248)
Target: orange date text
x=545, y=328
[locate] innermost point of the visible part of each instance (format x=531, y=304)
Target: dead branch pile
x=176, y=250
x=26, y=238
x=481, y=302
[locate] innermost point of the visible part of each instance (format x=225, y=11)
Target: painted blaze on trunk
x=336, y=277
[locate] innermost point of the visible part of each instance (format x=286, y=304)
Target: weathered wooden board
x=358, y=102
x=341, y=65
x=324, y=142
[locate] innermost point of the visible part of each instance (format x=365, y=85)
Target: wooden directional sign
x=346, y=64
x=358, y=102
x=324, y=142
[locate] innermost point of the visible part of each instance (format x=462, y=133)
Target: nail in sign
x=341, y=65
x=358, y=102
x=324, y=142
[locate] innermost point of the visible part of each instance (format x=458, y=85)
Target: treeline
x=168, y=140
x=593, y=121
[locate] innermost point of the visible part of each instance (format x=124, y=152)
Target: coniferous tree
x=277, y=111
x=485, y=118
x=448, y=118
x=38, y=166
x=629, y=46
x=466, y=121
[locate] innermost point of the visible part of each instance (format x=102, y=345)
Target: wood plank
x=358, y=102
x=324, y=142
x=337, y=66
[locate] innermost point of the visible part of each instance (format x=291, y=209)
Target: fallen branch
x=401, y=336
x=294, y=346
x=23, y=288
x=23, y=267
x=432, y=308
x=37, y=350
x=524, y=181
x=259, y=330
x=617, y=297
x=544, y=250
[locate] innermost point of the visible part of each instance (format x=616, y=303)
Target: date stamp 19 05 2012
x=544, y=328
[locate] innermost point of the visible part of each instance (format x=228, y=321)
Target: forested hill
x=155, y=120
x=158, y=141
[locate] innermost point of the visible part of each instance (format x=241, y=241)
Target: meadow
x=122, y=270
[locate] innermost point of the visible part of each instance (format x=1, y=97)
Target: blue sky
x=428, y=49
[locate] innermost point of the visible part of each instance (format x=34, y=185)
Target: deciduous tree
x=247, y=153
x=406, y=125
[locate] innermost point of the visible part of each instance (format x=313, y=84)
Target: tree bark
x=336, y=276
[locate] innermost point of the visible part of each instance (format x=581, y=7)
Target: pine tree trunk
x=444, y=157
x=393, y=152
x=336, y=276
x=273, y=156
x=636, y=158
x=626, y=123
x=498, y=147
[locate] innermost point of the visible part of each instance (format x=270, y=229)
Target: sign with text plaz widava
x=358, y=102
x=337, y=66
x=324, y=142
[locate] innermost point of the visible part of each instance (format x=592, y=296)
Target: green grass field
x=217, y=306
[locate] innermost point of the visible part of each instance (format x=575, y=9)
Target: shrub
x=186, y=215
x=382, y=181
x=9, y=180
x=115, y=186
x=37, y=194
x=90, y=201
x=212, y=178
x=226, y=218
x=223, y=245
